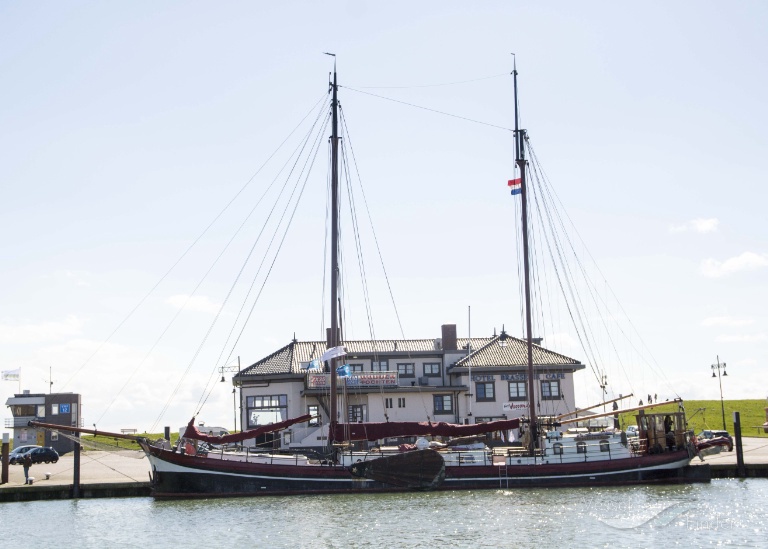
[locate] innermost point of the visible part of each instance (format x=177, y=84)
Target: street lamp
x=223, y=369
x=716, y=368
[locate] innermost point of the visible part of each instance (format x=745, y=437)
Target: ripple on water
x=725, y=512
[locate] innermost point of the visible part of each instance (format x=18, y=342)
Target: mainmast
x=520, y=161
x=334, y=337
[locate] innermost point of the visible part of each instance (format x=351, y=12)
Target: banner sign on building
x=509, y=406
x=366, y=379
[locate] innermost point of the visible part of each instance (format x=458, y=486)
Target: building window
x=40, y=410
x=54, y=436
x=388, y=403
x=557, y=449
x=406, y=370
x=485, y=392
x=355, y=367
x=263, y=410
x=432, y=369
x=380, y=366
x=286, y=437
x=550, y=390
x=581, y=447
x=54, y=409
x=314, y=411
x=518, y=390
x=605, y=446
x=401, y=402
x=443, y=404
x=357, y=413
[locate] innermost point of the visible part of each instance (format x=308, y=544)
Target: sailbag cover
x=193, y=433
x=376, y=431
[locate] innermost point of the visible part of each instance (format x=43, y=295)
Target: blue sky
x=126, y=127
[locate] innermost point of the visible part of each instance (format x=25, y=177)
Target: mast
x=334, y=339
x=520, y=161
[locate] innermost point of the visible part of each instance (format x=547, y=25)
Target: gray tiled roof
x=486, y=353
x=514, y=353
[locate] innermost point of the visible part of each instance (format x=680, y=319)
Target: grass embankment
x=122, y=442
x=707, y=414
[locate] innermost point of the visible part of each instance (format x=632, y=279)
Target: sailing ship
x=551, y=455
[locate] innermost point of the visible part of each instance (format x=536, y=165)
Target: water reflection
x=721, y=513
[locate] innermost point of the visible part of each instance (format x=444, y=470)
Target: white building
x=403, y=380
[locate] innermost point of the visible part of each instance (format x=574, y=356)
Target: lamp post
x=223, y=369
x=603, y=385
x=716, y=368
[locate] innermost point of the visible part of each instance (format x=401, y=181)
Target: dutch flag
x=515, y=185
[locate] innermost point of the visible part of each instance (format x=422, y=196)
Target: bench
x=128, y=431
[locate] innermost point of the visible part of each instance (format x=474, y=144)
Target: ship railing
x=606, y=447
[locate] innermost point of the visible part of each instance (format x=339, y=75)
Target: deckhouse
x=449, y=379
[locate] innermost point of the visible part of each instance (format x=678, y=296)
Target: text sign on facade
x=64, y=408
x=367, y=379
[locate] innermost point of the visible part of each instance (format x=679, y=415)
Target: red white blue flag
x=516, y=185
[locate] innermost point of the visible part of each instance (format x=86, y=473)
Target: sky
x=128, y=127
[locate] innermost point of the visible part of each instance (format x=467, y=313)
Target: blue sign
x=63, y=408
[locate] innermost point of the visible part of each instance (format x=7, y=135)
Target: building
x=56, y=408
x=450, y=379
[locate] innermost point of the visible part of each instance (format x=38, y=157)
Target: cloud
x=200, y=304
x=726, y=321
x=699, y=225
x=748, y=261
x=38, y=333
x=741, y=338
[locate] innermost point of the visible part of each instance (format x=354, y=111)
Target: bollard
x=6, y=445
x=740, y=473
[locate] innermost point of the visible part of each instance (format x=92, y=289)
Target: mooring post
x=739, y=450
x=76, y=480
x=6, y=445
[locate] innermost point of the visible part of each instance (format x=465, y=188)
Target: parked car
x=710, y=434
x=632, y=431
x=45, y=454
x=17, y=455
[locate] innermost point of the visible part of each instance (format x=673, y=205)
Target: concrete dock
x=125, y=473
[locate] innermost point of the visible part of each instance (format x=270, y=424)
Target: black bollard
x=76, y=479
x=6, y=446
x=740, y=473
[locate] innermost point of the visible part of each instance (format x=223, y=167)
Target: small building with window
x=56, y=408
x=450, y=379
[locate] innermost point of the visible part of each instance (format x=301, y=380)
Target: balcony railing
x=11, y=422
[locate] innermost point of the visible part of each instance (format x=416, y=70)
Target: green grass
x=707, y=414
x=124, y=443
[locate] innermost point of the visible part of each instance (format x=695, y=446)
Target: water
x=725, y=512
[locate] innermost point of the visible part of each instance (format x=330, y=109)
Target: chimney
x=328, y=337
x=449, y=337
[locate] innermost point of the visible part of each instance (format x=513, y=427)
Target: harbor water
x=723, y=513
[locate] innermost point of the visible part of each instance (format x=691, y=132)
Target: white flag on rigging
x=333, y=352
x=11, y=375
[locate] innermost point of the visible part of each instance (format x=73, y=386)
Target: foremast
x=520, y=161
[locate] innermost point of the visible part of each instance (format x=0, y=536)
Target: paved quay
x=755, y=451
x=125, y=473
x=102, y=474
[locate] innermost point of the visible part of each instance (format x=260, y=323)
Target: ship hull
x=176, y=475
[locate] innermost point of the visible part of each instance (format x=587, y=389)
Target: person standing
x=27, y=465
